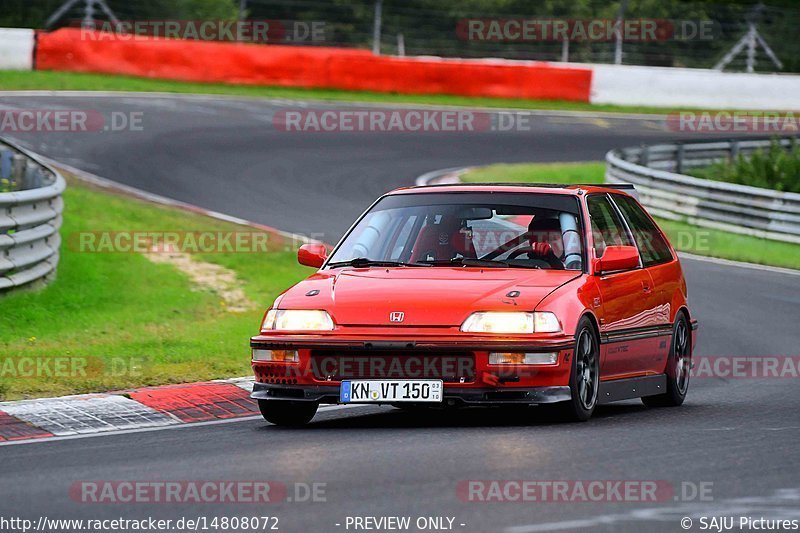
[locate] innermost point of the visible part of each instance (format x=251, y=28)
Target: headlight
x=297, y=320
x=511, y=322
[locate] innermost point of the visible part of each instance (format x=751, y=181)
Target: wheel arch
x=684, y=310
x=593, y=320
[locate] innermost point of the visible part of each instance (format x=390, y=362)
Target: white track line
x=43, y=440
x=340, y=103
x=740, y=264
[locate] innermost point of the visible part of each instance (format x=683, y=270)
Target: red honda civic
x=472, y=295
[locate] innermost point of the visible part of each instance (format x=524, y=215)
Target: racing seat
x=443, y=241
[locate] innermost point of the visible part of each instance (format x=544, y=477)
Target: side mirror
x=312, y=255
x=617, y=258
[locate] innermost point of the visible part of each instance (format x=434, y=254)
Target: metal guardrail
x=657, y=173
x=30, y=216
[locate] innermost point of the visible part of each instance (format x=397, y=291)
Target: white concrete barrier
x=16, y=49
x=685, y=87
x=610, y=84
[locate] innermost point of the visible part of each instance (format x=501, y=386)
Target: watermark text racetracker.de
x=190, y=492
x=191, y=242
x=582, y=491
x=70, y=366
x=777, y=122
x=401, y=121
x=746, y=367
x=515, y=30
x=249, y=31
x=69, y=121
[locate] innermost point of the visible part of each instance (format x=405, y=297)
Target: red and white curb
x=142, y=409
x=148, y=407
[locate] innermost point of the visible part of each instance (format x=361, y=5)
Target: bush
x=7, y=185
x=775, y=168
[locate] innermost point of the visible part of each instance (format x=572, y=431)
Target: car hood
x=426, y=296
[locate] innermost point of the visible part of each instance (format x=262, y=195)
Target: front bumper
x=485, y=385
x=311, y=379
x=441, y=342
x=329, y=394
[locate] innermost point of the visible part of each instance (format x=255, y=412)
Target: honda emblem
x=397, y=316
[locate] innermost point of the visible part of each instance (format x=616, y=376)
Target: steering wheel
x=553, y=264
x=519, y=252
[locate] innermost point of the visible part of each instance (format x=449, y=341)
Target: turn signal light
x=514, y=358
x=280, y=356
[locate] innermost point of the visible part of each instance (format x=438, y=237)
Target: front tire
x=679, y=365
x=287, y=413
x=584, y=380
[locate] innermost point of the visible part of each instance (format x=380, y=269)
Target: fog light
x=513, y=358
x=281, y=356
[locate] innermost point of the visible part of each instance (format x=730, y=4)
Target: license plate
x=396, y=390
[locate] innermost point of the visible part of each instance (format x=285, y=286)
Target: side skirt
x=630, y=388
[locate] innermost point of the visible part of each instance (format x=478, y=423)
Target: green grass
x=62, y=81
x=684, y=237
x=538, y=173
x=121, y=307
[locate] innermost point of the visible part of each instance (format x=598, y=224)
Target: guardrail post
x=6, y=157
x=734, y=150
x=18, y=165
x=33, y=178
x=680, y=154
x=644, y=155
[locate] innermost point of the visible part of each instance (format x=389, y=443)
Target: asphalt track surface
x=741, y=435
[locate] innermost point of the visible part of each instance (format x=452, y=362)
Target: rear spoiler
x=627, y=187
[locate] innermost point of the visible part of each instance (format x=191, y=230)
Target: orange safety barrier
x=74, y=50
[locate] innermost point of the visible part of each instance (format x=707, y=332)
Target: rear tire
x=584, y=379
x=679, y=365
x=287, y=413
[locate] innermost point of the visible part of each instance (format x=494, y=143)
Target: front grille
x=280, y=374
x=338, y=366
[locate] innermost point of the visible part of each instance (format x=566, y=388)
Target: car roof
x=574, y=189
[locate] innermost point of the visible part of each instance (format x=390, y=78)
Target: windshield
x=467, y=229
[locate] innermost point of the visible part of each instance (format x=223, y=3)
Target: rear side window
x=652, y=246
x=607, y=228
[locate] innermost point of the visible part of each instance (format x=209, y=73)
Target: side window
x=652, y=246
x=607, y=228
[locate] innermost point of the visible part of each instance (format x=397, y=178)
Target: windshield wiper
x=360, y=262
x=473, y=262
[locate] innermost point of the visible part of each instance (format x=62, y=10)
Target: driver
x=546, y=241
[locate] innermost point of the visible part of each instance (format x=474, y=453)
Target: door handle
x=646, y=288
